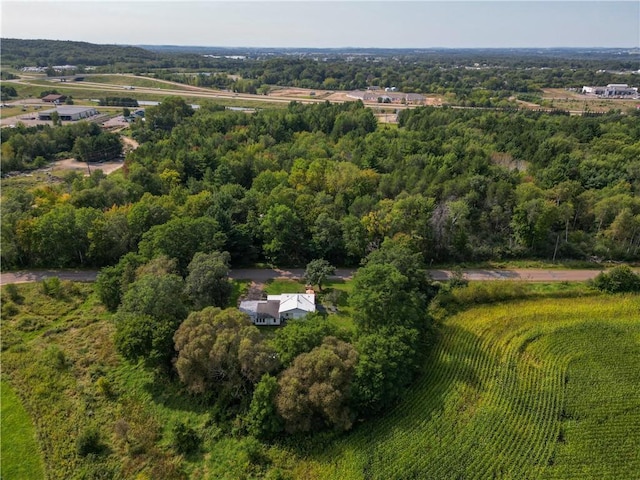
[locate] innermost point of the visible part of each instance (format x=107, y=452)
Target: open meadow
x=541, y=387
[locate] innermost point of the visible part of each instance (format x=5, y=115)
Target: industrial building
x=387, y=96
x=68, y=113
x=618, y=90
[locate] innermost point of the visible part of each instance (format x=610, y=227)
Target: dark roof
x=52, y=97
x=269, y=308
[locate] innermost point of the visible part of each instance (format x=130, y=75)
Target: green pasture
x=18, y=448
x=131, y=80
x=81, y=93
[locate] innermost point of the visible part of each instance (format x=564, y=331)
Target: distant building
x=68, y=113
x=277, y=308
x=54, y=98
x=618, y=90
x=388, y=96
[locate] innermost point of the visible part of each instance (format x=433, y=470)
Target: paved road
x=262, y=275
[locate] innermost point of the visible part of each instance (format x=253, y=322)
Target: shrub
x=55, y=357
x=14, y=293
x=104, y=387
x=617, y=280
x=9, y=309
x=30, y=323
x=185, y=439
x=88, y=442
x=51, y=286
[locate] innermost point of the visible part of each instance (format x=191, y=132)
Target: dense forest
x=23, y=53
x=325, y=181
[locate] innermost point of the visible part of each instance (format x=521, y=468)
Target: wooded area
x=324, y=181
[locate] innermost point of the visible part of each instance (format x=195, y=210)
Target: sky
x=329, y=24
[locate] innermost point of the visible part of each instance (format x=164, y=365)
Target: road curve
x=264, y=274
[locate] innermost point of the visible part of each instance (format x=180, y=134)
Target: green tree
x=171, y=112
x=300, y=336
x=181, y=238
x=354, y=236
x=112, y=282
x=387, y=363
x=318, y=271
x=208, y=281
x=109, y=236
x=220, y=352
x=281, y=229
x=150, y=313
x=382, y=297
x=314, y=390
x=262, y=420
x=60, y=237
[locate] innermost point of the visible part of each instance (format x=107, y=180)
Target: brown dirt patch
x=299, y=93
x=73, y=164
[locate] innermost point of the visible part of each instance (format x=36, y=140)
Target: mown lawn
x=19, y=450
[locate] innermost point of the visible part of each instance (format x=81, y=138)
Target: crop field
x=545, y=389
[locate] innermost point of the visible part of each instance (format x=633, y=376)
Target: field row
x=545, y=389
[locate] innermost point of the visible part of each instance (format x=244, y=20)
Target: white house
x=277, y=308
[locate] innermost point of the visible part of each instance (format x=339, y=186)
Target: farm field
x=540, y=388
x=535, y=389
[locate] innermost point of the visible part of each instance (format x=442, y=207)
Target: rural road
x=262, y=275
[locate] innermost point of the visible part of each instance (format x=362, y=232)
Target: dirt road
x=262, y=275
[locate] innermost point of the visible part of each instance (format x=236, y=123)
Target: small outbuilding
x=54, y=98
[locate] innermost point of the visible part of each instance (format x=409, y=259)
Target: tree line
x=27, y=148
x=324, y=181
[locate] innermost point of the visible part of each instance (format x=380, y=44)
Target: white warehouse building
x=612, y=90
x=69, y=113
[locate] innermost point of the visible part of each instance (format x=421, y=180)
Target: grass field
x=544, y=388
x=19, y=450
x=83, y=93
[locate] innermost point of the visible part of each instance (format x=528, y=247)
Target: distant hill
x=16, y=52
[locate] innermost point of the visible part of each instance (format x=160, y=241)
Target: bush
x=54, y=357
x=185, y=439
x=104, y=387
x=88, y=442
x=30, y=323
x=14, y=293
x=9, y=309
x=617, y=280
x=52, y=286
x=488, y=292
